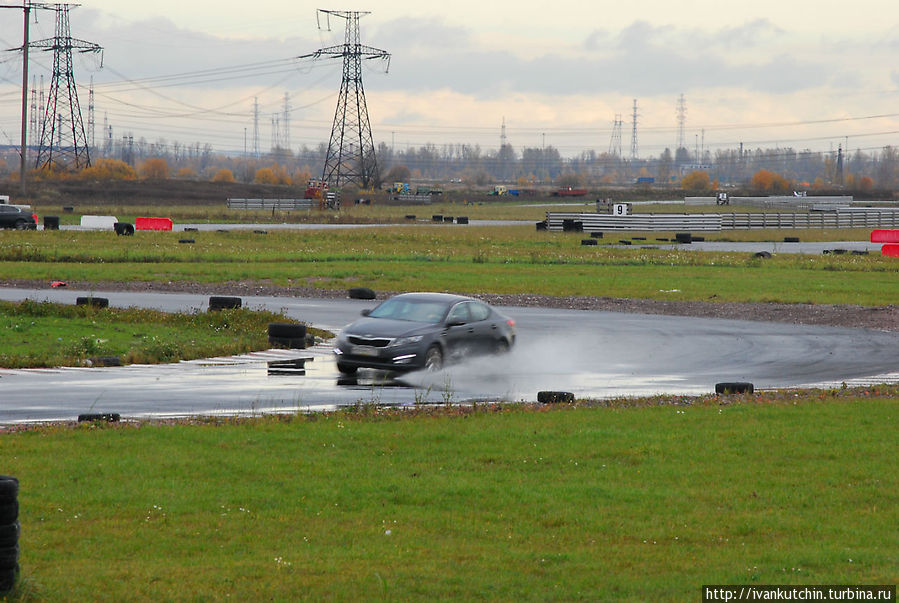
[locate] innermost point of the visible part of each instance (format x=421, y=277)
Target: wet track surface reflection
x=593, y=354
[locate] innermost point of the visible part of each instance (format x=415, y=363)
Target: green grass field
x=500, y=503
x=449, y=258
x=621, y=500
x=43, y=334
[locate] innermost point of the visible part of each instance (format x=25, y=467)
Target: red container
x=885, y=235
x=153, y=224
x=890, y=250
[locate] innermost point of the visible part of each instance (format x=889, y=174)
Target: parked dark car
x=422, y=331
x=16, y=217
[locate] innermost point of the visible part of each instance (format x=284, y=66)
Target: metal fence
x=273, y=204
x=854, y=218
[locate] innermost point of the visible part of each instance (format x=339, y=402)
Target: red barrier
x=885, y=235
x=890, y=250
x=153, y=224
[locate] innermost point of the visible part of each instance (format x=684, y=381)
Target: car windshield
x=411, y=310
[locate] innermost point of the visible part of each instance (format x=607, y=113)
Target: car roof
x=434, y=297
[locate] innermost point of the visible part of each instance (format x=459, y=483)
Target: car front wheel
x=433, y=359
x=20, y=224
x=346, y=369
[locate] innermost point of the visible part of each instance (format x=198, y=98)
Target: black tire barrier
x=186, y=241
x=9, y=488
x=762, y=255
x=588, y=241
x=106, y=361
x=68, y=210
x=555, y=397
x=462, y=220
x=101, y=417
x=437, y=218
x=9, y=558
x=260, y=232
x=736, y=387
x=96, y=302
x=596, y=235
x=9, y=534
x=8, y=580
x=448, y=219
x=859, y=252
x=683, y=237
x=123, y=229
x=839, y=251
x=191, y=229
x=51, y=222
x=360, y=293
x=9, y=512
x=287, y=334
x=638, y=238
x=542, y=225
x=624, y=242
x=569, y=225
x=410, y=216
x=791, y=239
x=698, y=239
x=662, y=239
x=219, y=302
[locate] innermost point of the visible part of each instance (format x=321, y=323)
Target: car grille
x=375, y=342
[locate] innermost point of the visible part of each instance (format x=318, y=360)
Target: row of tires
x=10, y=528
x=726, y=388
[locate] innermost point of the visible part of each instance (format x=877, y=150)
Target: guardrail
x=423, y=199
x=592, y=222
x=274, y=204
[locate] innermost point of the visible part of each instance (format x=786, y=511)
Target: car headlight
x=405, y=340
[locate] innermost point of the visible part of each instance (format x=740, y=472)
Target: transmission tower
x=91, y=143
x=63, y=140
x=615, y=142
x=681, y=121
x=255, y=126
x=285, y=132
x=33, y=120
x=351, y=150
x=634, y=133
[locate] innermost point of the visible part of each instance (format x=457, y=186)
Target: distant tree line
x=776, y=169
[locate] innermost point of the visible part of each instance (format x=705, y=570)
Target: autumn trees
x=765, y=181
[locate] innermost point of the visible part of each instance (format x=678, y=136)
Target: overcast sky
x=797, y=73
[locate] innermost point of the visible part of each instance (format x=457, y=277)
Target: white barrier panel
x=98, y=222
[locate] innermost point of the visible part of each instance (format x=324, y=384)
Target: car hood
x=385, y=327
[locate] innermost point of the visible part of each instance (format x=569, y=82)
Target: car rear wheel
x=346, y=369
x=502, y=347
x=433, y=359
x=20, y=224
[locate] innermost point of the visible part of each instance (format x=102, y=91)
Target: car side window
x=459, y=313
x=7, y=209
x=478, y=311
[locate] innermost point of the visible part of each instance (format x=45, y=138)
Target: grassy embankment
x=42, y=334
x=454, y=258
x=638, y=504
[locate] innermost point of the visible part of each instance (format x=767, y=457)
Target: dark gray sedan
x=16, y=217
x=422, y=331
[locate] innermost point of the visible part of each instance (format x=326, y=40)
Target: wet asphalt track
x=594, y=354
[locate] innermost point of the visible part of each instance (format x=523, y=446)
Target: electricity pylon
x=63, y=140
x=351, y=150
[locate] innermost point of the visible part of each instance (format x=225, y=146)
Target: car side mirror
x=365, y=312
